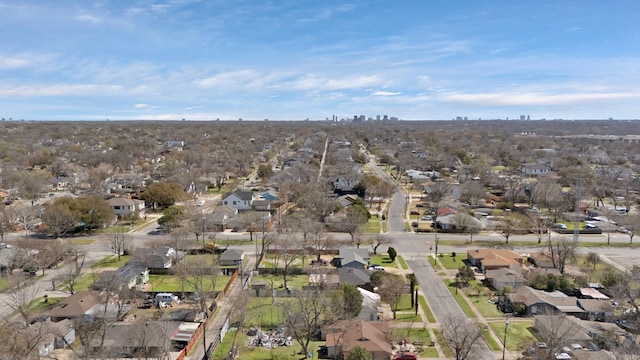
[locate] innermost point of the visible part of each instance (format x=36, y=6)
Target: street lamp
x=504, y=342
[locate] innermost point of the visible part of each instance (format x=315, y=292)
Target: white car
x=376, y=268
x=562, y=226
x=200, y=202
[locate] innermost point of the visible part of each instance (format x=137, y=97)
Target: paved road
x=440, y=299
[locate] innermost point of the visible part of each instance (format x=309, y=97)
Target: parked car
x=376, y=268
x=590, y=226
x=426, y=218
x=623, y=230
x=200, y=202
x=562, y=226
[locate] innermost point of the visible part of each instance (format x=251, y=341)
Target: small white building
x=239, y=200
x=124, y=207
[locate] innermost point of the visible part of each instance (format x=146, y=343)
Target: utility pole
x=576, y=221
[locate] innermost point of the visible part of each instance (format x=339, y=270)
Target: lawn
x=293, y=281
x=427, y=310
x=382, y=259
x=199, y=260
x=452, y=263
x=83, y=284
x=111, y=261
x=38, y=305
x=518, y=334
x=485, y=308
x=461, y=301
x=409, y=317
x=260, y=311
x=443, y=344
x=278, y=353
x=372, y=227
x=493, y=344
x=4, y=284
x=403, y=263
x=172, y=283
x=83, y=241
x=412, y=334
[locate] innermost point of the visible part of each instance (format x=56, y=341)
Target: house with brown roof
x=598, y=310
x=371, y=336
x=491, y=259
x=75, y=306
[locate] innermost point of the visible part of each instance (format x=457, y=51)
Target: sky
x=299, y=59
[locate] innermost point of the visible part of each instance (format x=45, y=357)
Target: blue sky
x=297, y=59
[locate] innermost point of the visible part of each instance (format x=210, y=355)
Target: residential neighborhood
x=398, y=248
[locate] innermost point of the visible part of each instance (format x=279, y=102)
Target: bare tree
x=352, y=224
x=508, y=226
x=466, y=223
x=119, y=244
x=391, y=289
x=288, y=250
x=462, y=335
x=565, y=249
x=304, y=315
x=437, y=193
x=19, y=299
x=379, y=240
x=58, y=219
x=554, y=331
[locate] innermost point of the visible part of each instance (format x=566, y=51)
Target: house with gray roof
x=354, y=258
x=239, y=200
x=157, y=260
x=356, y=277
x=503, y=277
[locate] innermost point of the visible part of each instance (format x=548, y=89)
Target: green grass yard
x=452, y=263
x=461, y=301
x=427, y=310
x=518, y=334
x=172, y=283
x=111, y=261
x=382, y=259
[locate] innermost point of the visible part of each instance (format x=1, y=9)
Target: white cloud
x=524, y=99
x=386, y=93
x=141, y=106
x=229, y=79
x=313, y=82
x=62, y=90
x=13, y=62
x=88, y=18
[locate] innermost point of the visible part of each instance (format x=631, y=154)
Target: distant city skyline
x=297, y=60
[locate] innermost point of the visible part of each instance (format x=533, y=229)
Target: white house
x=239, y=200
x=123, y=207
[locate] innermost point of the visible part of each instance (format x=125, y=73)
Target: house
x=52, y=335
x=356, y=277
x=490, y=259
x=219, y=217
x=354, y=258
x=598, y=310
x=542, y=302
x=371, y=336
x=541, y=259
x=342, y=186
x=371, y=306
x=138, y=339
x=128, y=276
x=532, y=169
x=75, y=306
x=503, y=277
x=124, y=208
x=157, y=260
x=239, y=200
x=231, y=260
x=592, y=293
x=7, y=254
x=573, y=330
x=346, y=200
